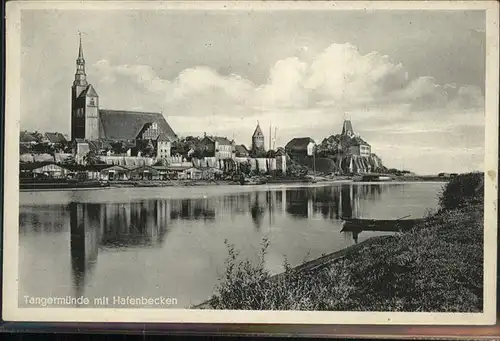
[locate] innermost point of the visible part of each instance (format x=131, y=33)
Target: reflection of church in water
x=96, y=227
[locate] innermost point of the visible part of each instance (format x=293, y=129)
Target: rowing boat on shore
x=354, y=224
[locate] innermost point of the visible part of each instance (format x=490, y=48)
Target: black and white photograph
x=272, y=162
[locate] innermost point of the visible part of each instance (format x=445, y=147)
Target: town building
x=219, y=147
x=42, y=170
x=144, y=173
x=151, y=135
x=241, y=151
x=26, y=142
x=91, y=123
x=114, y=173
x=258, y=145
x=27, y=138
x=300, y=146
x=55, y=138
x=352, y=144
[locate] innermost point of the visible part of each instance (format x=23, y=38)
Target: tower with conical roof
x=84, y=103
x=258, y=140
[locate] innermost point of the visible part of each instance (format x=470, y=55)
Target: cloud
x=143, y=75
x=310, y=97
x=203, y=81
x=285, y=86
x=339, y=77
x=342, y=75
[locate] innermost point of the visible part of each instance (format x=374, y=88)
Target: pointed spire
x=347, y=128
x=258, y=132
x=80, y=49
x=80, y=76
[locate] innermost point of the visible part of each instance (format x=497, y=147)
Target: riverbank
x=47, y=185
x=435, y=267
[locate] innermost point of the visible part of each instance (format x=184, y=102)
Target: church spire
x=80, y=76
x=80, y=49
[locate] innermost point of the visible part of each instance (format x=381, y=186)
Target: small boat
x=351, y=224
x=375, y=177
x=34, y=185
x=253, y=181
x=291, y=181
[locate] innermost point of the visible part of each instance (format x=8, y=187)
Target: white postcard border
x=11, y=311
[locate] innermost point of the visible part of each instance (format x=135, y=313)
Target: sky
x=411, y=82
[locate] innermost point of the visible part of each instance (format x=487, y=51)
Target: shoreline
x=414, y=270
x=314, y=264
x=197, y=183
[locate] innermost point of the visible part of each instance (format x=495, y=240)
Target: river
x=169, y=241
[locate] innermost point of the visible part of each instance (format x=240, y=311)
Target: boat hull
x=375, y=178
x=380, y=225
x=62, y=185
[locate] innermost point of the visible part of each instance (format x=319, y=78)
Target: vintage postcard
x=251, y=162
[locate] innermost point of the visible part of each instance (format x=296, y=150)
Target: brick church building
x=94, y=128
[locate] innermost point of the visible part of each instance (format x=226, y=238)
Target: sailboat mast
x=270, y=138
x=314, y=161
x=274, y=140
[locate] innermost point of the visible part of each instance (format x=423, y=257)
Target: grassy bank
x=437, y=266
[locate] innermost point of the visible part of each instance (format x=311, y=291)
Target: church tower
x=258, y=140
x=347, y=128
x=84, y=104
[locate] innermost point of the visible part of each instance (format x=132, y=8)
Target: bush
x=463, y=189
x=248, y=286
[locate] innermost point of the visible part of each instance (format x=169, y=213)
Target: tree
x=183, y=145
x=161, y=162
x=271, y=154
x=38, y=136
x=91, y=158
x=43, y=148
x=245, y=168
x=59, y=147
x=149, y=149
x=329, y=146
x=146, y=148
x=258, y=153
x=197, y=153
x=68, y=147
x=295, y=169
x=70, y=160
x=118, y=147
x=23, y=149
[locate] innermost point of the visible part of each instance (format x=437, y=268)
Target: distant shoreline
x=190, y=183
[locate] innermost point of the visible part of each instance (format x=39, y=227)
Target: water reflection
x=108, y=227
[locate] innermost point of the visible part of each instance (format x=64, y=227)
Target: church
x=351, y=143
x=92, y=126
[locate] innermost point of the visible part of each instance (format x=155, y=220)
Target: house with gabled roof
x=241, y=150
x=215, y=146
x=54, y=138
x=26, y=138
x=151, y=134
